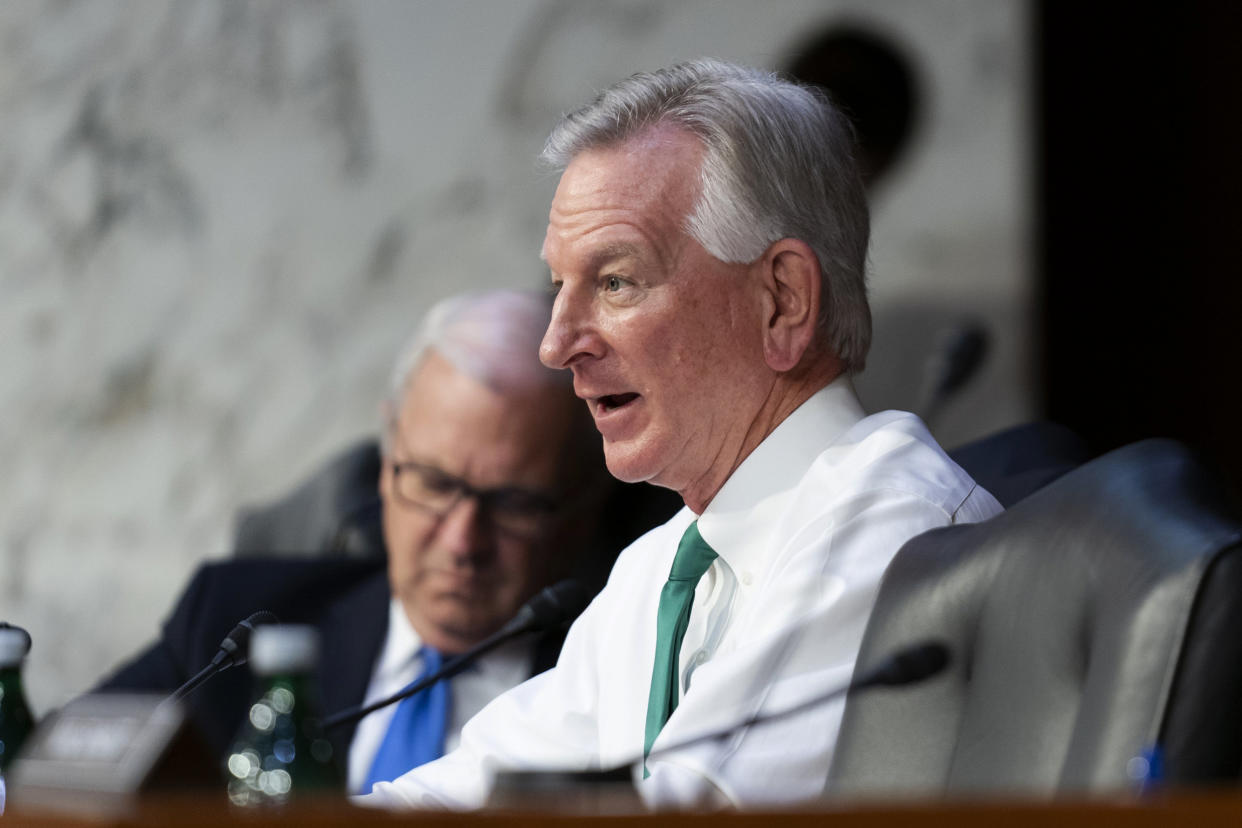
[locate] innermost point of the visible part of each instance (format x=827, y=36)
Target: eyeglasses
x=511, y=509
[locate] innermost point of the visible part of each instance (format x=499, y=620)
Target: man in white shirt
x=707, y=244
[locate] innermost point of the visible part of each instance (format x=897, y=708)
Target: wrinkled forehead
x=616, y=200
x=655, y=166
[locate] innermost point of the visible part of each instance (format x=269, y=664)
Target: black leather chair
x=334, y=513
x=1098, y=619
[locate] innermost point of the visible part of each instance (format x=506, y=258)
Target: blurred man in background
x=490, y=488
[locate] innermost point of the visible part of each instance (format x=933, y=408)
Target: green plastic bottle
x=281, y=751
x=15, y=719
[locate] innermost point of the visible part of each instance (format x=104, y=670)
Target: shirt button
x=747, y=578
x=700, y=658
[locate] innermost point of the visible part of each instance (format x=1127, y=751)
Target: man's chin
x=457, y=633
x=630, y=465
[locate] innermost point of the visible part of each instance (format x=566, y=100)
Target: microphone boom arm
x=909, y=665
x=554, y=605
x=450, y=669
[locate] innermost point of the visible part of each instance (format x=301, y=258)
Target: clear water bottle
x=15, y=719
x=281, y=751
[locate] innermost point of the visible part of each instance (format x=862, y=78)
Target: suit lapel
x=352, y=634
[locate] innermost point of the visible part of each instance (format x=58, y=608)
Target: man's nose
x=570, y=334
x=463, y=529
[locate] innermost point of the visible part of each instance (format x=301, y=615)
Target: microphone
x=909, y=665
x=550, y=608
x=964, y=351
x=5, y=625
x=235, y=648
x=234, y=651
x=955, y=360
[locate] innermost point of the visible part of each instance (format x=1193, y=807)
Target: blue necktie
x=416, y=734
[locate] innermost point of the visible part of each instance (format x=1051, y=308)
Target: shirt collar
x=739, y=519
x=401, y=644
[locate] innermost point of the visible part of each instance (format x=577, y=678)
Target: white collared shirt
x=803, y=529
x=399, y=663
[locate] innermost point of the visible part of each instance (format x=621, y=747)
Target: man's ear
x=792, y=284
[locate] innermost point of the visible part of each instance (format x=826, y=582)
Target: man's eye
x=438, y=483
x=613, y=283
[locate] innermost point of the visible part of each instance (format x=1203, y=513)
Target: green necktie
x=693, y=558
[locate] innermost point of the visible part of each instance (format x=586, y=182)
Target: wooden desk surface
x=1164, y=810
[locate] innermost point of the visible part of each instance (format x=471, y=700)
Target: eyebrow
x=608, y=253
x=616, y=250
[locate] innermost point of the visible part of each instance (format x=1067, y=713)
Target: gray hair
x=778, y=163
x=491, y=336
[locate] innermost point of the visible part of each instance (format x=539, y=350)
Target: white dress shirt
x=804, y=528
x=399, y=664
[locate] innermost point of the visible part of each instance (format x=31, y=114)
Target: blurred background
x=220, y=219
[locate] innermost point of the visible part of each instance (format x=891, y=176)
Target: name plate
x=95, y=753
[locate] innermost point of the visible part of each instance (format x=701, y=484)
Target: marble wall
x=219, y=219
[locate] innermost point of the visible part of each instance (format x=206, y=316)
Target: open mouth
x=611, y=402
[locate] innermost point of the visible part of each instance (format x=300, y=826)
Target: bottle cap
x=14, y=644
x=283, y=648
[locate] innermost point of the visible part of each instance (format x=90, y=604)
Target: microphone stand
x=451, y=668
x=233, y=652
x=554, y=605
x=200, y=677
x=909, y=665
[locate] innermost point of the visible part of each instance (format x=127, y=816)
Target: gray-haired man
x=707, y=244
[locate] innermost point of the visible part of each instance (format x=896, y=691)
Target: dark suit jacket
x=347, y=600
